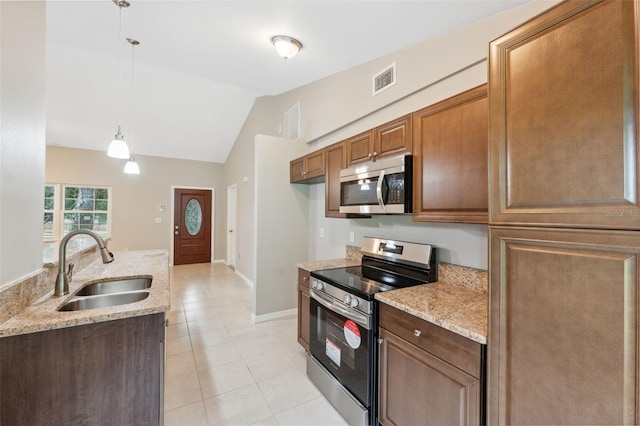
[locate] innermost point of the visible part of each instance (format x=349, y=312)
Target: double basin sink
x=109, y=293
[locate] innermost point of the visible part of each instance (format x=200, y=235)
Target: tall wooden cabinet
x=565, y=220
x=450, y=159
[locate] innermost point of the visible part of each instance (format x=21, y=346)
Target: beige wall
x=340, y=106
x=22, y=135
x=137, y=198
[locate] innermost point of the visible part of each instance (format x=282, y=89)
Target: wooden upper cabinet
x=309, y=168
x=359, y=148
x=564, y=118
x=392, y=138
x=450, y=159
x=336, y=160
x=563, y=327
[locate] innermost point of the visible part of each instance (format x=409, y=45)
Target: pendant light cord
x=119, y=65
x=133, y=104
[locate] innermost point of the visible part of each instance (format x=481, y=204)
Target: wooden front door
x=192, y=226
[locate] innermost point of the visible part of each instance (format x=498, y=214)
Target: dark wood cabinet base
x=108, y=373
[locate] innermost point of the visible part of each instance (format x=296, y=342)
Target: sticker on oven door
x=333, y=352
x=352, y=334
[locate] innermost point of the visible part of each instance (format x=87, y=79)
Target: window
x=82, y=207
x=49, y=233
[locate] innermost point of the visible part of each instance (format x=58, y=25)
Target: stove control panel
x=342, y=297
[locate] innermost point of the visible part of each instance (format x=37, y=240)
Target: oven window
x=342, y=347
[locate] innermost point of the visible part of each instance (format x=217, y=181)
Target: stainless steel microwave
x=380, y=187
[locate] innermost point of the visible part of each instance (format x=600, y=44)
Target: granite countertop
x=316, y=265
x=454, y=308
x=42, y=314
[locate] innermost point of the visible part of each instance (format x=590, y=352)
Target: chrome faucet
x=64, y=275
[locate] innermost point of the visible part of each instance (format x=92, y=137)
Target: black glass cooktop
x=366, y=281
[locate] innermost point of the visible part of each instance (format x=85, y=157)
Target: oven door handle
x=361, y=319
x=379, y=190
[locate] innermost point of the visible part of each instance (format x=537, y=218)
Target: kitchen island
x=93, y=366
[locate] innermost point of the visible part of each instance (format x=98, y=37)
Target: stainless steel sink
x=103, y=300
x=115, y=286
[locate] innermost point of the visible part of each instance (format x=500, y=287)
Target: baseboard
x=219, y=261
x=245, y=279
x=274, y=315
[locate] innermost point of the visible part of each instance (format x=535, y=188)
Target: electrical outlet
x=321, y=232
x=158, y=220
x=352, y=237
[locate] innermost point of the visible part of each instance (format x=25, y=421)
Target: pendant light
x=132, y=168
x=118, y=147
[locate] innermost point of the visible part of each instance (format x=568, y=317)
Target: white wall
x=282, y=223
x=22, y=148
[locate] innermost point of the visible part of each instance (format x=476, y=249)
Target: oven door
x=342, y=342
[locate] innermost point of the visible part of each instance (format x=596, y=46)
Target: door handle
x=379, y=190
x=230, y=230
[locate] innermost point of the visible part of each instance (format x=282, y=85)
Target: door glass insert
x=193, y=217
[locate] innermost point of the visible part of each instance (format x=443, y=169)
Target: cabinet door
x=108, y=373
x=450, y=159
x=303, y=308
x=296, y=170
x=360, y=148
x=335, y=161
x=314, y=164
x=563, y=330
x=393, y=138
x=564, y=118
x=417, y=388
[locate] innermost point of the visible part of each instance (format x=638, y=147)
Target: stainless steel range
x=344, y=321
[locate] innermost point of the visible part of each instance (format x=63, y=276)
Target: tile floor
x=222, y=369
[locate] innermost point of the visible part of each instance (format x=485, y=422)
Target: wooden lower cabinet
x=415, y=386
x=303, y=308
x=108, y=373
x=563, y=327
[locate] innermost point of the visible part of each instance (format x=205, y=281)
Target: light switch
x=352, y=237
x=161, y=207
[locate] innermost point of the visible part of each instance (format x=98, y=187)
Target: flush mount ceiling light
x=118, y=147
x=286, y=46
x=132, y=168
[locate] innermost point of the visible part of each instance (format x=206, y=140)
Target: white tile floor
x=224, y=370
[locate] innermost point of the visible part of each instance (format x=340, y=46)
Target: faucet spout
x=63, y=278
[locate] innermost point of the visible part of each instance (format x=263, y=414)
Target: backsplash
x=16, y=296
x=353, y=253
x=464, y=276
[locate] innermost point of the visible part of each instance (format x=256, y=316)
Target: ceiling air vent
x=292, y=122
x=384, y=79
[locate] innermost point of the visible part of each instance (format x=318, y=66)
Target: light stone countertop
x=316, y=265
x=42, y=314
x=454, y=308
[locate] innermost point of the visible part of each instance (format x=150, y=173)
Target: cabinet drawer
x=451, y=347
x=303, y=278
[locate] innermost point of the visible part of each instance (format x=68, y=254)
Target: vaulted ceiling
x=201, y=64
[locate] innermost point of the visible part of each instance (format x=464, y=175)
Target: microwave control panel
x=395, y=188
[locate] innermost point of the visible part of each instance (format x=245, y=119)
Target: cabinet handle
x=417, y=333
x=380, y=341
x=304, y=278
x=369, y=155
x=375, y=154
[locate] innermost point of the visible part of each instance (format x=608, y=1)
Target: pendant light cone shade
x=286, y=46
x=132, y=168
x=118, y=147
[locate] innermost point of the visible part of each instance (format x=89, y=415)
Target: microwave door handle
x=379, y=191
